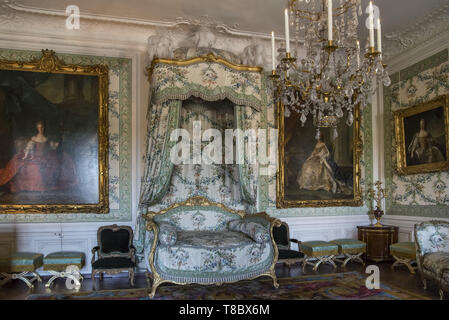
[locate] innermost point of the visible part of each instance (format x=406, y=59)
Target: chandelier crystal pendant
x=327, y=74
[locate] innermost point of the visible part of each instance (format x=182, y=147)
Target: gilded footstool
x=18, y=265
x=352, y=249
x=65, y=264
x=323, y=251
x=404, y=253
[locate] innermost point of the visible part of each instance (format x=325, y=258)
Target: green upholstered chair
x=404, y=253
x=115, y=252
x=19, y=265
x=321, y=251
x=283, y=241
x=351, y=249
x=65, y=264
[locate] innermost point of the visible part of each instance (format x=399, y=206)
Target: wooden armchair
x=115, y=252
x=287, y=256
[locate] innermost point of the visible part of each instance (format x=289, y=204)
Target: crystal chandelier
x=328, y=75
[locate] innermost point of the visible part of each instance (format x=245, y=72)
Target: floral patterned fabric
x=167, y=234
x=164, y=183
x=432, y=237
x=206, y=80
x=197, y=218
x=254, y=230
x=236, y=260
x=436, y=263
x=432, y=250
x=206, y=251
x=212, y=239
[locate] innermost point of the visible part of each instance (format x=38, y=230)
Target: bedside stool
x=18, y=265
x=404, y=253
x=352, y=249
x=321, y=250
x=57, y=264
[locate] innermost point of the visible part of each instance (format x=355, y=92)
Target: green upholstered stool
x=352, y=249
x=19, y=265
x=65, y=264
x=323, y=251
x=404, y=253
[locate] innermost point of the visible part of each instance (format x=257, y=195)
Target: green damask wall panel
x=424, y=195
x=120, y=140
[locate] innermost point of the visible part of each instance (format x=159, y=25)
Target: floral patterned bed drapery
x=172, y=83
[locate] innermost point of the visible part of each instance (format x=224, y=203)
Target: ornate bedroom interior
x=199, y=65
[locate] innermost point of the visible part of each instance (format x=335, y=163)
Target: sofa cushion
x=212, y=239
x=167, y=234
x=436, y=262
x=254, y=230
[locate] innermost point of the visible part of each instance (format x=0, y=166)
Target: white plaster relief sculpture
x=204, y=37
x=160, y=46
x=256, y=54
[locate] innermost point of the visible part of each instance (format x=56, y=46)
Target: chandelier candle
x=371, y=25
x=327, y=84
x=379, y=36
x=358, y=54
x=329, y=21
x=273, y=54
x=287, y=32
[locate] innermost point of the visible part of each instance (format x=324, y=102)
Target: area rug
x=338, y=286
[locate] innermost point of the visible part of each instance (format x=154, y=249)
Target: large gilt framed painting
x=318, y=168
x=53, y=137
x=422, y=137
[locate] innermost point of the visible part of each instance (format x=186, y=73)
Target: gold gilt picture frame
x=53, y=136
x=297, y=147
x=422, y=137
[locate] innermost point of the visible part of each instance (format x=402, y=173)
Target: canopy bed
x=207, y=85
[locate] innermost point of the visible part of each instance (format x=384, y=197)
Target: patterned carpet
x=340, y=286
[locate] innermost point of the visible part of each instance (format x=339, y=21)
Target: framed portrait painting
x=318, y=168
x=53, y=137
x=422, y=134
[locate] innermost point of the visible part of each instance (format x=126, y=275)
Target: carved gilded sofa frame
x=151, y=226
x=131, y=254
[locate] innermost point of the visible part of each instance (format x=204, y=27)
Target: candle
x=358, y=54
x=379, y=36
x=371, y=24
x=273, y=54
x=287, y=32
x=329, y=20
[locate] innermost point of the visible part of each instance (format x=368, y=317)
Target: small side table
x=378, y=241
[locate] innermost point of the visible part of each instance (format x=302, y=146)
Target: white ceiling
x=259, y=16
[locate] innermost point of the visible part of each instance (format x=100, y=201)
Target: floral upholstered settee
x=199, y=241
x=432, y=253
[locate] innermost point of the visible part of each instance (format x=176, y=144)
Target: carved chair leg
x=424, y=282
x=275, y=281
x=441, y=292
x=93, y=280
x=131, y=276
x=156, y=283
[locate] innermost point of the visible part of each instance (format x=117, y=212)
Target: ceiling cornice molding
x=418, y=33
x=12, y=8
